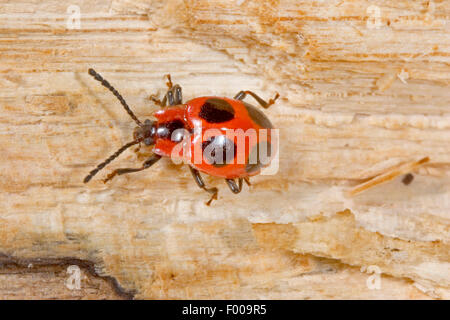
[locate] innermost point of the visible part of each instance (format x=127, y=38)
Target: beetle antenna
x=111, y=158
x=107, y=85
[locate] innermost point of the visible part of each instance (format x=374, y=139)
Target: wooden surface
x=52, y=279
x=361, y=92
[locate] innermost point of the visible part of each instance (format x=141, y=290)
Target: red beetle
x=211, y=134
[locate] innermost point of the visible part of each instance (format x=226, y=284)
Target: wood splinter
x=388, y=176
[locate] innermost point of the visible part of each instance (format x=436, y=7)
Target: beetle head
x=146, y=132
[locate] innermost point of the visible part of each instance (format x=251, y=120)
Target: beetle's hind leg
x=147, y=164
x=199, y=180
x=242, y=94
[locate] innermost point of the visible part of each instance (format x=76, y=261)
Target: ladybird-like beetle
x=205, y=114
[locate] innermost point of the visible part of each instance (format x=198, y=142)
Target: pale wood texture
x=361, y=94
x=51, y=279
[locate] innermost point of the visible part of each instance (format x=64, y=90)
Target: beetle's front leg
x=147, y=164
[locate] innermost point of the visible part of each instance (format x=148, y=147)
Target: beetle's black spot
x=257, y=116
x=260, y=151
x=216, y=110
x=166, y=129
x=219, y=151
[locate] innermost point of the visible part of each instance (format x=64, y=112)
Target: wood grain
x=361, y=92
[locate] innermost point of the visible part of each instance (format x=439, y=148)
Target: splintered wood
x=391, y=174
x=364, y=100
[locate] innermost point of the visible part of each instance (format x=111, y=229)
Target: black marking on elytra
x=254, y=163
x=225, y=147
x=166, y=129
x=216, y=110
x=257, y=116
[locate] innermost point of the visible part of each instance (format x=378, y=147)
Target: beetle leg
x=147, y=164
x=138, y=148
x=155, y=100
x=233, y=186
x=174, y=96
x=170, y=98
x=178, y=94
x=242, y=94
x=169, y=81
x=164, y=101
x=199, y=180
x=247, y=181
